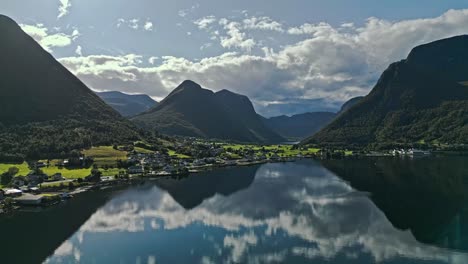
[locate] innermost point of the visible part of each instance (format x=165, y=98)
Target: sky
x=288, y=57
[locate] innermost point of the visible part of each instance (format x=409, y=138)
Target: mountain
x=239, y=106
x=421, y=98
x=190, y=110
x=46, y=110
x=298, y=127
x=350, y=103
x=127, y=104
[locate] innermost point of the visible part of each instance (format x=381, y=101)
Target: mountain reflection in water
x=426, y=196
x=285, y=212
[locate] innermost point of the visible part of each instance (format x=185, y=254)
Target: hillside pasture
x=105, y=155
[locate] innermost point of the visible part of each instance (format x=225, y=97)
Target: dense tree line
x=62, y=138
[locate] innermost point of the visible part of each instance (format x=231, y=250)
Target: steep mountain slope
x=420, y=98
x=239, y=106
x=299, y=126
x=190, y=110
x=46, y=110
x=350, y=103
x=127, y=104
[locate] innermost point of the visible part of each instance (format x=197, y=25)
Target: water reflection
x=190, y=192
x=29, y=237
x=293, y=212
x=426, y=196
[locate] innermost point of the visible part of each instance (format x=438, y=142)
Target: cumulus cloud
x=50, y=40
x=326, y=67
x=134, y=23
x=236, y=34
x=148, y=26
x=263, y=23
x=63, y=8
x=235, y=38
x=205, y=22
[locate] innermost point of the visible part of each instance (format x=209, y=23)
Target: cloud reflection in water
x=292, y=210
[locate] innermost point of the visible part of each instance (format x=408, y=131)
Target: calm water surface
x=351, y=211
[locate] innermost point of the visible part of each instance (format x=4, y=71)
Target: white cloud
x=47, y=40
x=63, y=8
x=236, y=34
x=308, y=28
x=152, y=60
x=134, y=23
x=205, y=22
x=120, y=22
x=79, y=51
x=148, y=26
x=235, y=38
x=206, y=45
x=184, y=12
x=328, y=66
x=262, y=23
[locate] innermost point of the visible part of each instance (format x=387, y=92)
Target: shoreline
x=138, y=179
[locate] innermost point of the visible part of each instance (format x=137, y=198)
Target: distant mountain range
x=293, y=128
x=301, y=126
x=298, y=127
x=190, y=110
x=127, y=104
x=45, y=110
x=423, y=98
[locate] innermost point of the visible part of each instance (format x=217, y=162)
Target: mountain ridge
x=419, y=99
x=190, y=110
x=51, y=112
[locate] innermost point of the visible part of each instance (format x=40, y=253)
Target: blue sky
x=287, y=56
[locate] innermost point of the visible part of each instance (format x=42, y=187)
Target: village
x=185, y=156
x=47, y=182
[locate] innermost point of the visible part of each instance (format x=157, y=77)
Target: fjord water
x=338, y=211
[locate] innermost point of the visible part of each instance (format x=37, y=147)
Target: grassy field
x=110, y=172
x=23, y=168
x=143, y=150
x=178, y=155
x=67, y=173
x=105, y=155
x=281, y=150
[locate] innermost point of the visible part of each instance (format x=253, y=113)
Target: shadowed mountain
x=298, y=127
x=127, y=104
x=190, y=110
x=191, y=191
x=46, y=110
x=426, y=197
x=421, y=98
